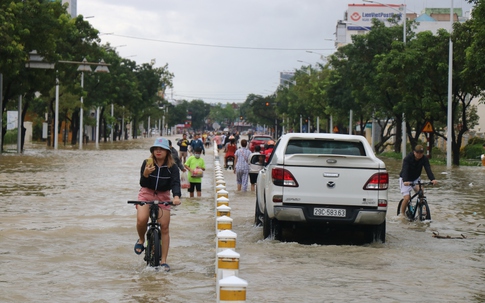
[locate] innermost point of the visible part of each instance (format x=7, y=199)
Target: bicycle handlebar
x=151, y=202
x=427, y=183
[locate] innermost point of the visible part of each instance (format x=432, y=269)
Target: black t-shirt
x=162, y=178
x=412, y=168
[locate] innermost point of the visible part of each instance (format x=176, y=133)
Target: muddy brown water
x=67, y=235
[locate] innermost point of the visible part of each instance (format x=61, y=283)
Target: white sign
x=12, y=119
x=362, y=14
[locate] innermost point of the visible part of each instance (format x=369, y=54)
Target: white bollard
x=223, y=223
x=223, y=210
x=227, y=264
x=231, y=289
x=222, y=193
x=222, y=201
x=226, y=239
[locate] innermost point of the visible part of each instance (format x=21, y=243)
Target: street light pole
x=350, y=122
x=101, y=68
x=82, y=68
x=56, y=119
x=81, y=112
x=404, y=135
x=19, y=126
x=112, y=118
x=450, y=93
x=85, y=66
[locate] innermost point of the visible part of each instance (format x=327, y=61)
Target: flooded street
x=67, y=235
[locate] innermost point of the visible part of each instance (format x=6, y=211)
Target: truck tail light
x=282, y=177
x=378, y=181
x=382, y=203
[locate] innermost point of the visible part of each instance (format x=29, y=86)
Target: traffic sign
x=428, y=128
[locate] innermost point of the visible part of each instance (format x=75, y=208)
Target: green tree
x=354, y=81
x=222, y=114
x=43, y=26
x=199, y=112
x=261, y=110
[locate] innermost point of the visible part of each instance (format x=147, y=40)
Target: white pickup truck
x=322, y=179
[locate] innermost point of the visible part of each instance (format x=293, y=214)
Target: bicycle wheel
x=423, y=211
x=153, y=250
x=409, y=210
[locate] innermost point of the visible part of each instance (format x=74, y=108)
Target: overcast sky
x=222, y=50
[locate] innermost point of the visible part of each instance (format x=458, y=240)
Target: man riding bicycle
x=412, y=166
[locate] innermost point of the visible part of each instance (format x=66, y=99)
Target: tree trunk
x=398, y=141
x=134, y=129
x=74, y=127
x=22, y=129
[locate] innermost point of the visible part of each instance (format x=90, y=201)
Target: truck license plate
x=329, y=212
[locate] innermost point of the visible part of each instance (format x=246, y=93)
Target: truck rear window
x=332, y=147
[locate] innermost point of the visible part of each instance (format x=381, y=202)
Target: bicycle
x=420, y=209
x=153, y=249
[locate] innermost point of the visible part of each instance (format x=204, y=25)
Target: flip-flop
x=140, y=247
x=165, y=266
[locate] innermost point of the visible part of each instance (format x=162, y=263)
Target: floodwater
x=67, y=235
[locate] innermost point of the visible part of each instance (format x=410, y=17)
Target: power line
x=224, y=46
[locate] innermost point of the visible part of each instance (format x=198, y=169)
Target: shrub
x=472, y=151
x=10, y=137
x=476, y=140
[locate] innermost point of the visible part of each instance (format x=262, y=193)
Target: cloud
x=219, y=73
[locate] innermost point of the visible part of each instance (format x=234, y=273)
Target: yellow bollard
x=226, y=239
x=222, y=193
x=231, y=289
x=224, y=223
x=223, y=210
x=220, y=186
x=227, y=264
x=222, y=201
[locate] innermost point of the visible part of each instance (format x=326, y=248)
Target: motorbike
x=230, y=163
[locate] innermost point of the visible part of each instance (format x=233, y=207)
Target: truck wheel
x=258, y=215
x=376, y=233
x=271, y=227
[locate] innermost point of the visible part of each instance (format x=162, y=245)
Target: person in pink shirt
x=217, y=140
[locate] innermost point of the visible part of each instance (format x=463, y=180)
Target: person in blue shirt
x=197, y=143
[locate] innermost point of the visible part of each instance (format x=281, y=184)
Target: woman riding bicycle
x=412, y=166
x=156, y=180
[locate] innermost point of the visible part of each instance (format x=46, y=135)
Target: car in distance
x=258, y=140
x=322, y=180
